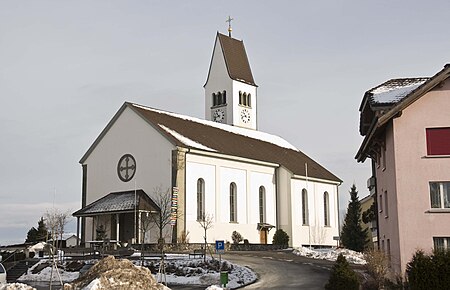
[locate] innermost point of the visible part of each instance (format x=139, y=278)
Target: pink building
x=406, y=129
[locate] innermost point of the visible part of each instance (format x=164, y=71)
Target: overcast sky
x=67, y=66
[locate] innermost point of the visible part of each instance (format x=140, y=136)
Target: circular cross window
x=126, y=168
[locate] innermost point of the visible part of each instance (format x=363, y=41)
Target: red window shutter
x=438, y=141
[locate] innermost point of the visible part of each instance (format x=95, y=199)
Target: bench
x=196, y=253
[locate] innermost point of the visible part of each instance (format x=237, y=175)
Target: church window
x=305, y=211
x=233, y=205
x=262, y=204
x=224, y=98
x=326, y=209
x=200, y=199
x=219, y=98
x=214, y=99
x=244, y=99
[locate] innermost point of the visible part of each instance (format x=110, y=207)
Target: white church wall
x=316, y=233
x=129, y=134
x=218, y=174
x=284, y=201
x=218, y=80
x=239, y=86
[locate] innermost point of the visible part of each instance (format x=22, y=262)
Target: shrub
x=236, y=237
x=377, y=266
x=280, y=238
x=429, y=271
x=342, y=276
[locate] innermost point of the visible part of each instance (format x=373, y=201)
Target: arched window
x=262, y=204
x=241, y=100
x=305, y=211
x=326, y=209
x=249, y=97
x=245, y=99
x=200, y=199
x=214, y=96
x=224, y=98
x=219, y=98
x=233, y=203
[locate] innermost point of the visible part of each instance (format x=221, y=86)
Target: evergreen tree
x=32, y=235
x=342, y=276
x=42, y=231
x=353, y=237
x=280, y=238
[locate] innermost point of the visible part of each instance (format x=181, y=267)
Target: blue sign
x=220, y=247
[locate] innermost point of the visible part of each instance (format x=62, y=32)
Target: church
x=220, y=168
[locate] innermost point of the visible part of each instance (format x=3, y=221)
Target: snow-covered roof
x=395, y=90
x=194, y=133
x=258, y=135
x=190, y=132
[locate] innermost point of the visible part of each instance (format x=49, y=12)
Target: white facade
x=129, y=134
x=219, y=172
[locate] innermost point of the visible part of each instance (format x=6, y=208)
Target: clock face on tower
x=245, y=116
x=219, y=116
x=126, y=168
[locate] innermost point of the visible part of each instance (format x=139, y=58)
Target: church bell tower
x=230, y=90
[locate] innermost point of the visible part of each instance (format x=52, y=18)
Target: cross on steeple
x=229, y=25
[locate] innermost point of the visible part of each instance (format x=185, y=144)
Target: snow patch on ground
x=15, y=286
x=46, y=274
x=188, y=272
x=331, y=254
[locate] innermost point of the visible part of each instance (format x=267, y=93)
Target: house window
x=386, y=205
x=383, y=157
x=440, y=194
x=438, y=141
x=233, y=205
x=262, y=204
x=200, y=199
x=305, y=212
x=326, y=209
x=381, y=203
x=441, y=244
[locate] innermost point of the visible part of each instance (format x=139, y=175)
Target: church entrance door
x=263, y=236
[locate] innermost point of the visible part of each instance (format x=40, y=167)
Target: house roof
x=392, y=97
x=118, y=202
x=393, y=91
x=236, y=59
x=189, y=132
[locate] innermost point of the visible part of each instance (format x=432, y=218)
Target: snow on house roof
x=394, y=90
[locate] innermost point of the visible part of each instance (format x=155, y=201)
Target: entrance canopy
x=264, y=227
x=119, y=202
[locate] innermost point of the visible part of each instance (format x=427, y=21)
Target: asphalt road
x=283, y=270
x=275, y=269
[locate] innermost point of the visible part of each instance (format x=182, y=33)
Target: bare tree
x=55, y=222
x=206, y=222
x=377, y=266
x=161, y=218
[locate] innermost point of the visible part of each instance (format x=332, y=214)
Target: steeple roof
x=236, y=59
